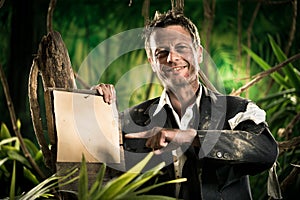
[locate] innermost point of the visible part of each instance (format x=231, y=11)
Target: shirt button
x=219, y=154
x=226, y=155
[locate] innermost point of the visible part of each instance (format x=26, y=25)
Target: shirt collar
x=164, y=99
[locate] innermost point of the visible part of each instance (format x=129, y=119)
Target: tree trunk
x=54, y=65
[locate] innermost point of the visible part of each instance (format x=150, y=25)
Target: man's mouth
x=175, y=69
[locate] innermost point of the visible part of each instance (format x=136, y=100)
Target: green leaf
x=83, y=181
x=4, y=132
x=146, y=189
x=265, y=66
x=2, y=161
x=17, y=145
x=290, y=71
x=97, y=185
x=5, y=148
x=4, y=169
x=148, y=197
x=276, y=102
x=13, y=155
x=140, y=180
x=30, y=176
x=8, y=141
x=39, y=156
x=41, y=189
x=114, y=187
x=277, y=95
x=13, y=182
x=65, y=180
x=31, y=147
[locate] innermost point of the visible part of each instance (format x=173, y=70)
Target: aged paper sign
x=86, y=125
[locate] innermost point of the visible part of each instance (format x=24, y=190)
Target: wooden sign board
x=85, y=124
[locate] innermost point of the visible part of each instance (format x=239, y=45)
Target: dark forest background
x=242, y=37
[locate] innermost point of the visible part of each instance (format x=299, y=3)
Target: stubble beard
x=175, y=81
x=180, y=86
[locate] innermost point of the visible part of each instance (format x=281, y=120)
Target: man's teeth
x=177, y=68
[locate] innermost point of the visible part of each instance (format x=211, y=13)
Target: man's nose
x=173, y=56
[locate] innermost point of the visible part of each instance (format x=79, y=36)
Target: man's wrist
x=196, y=141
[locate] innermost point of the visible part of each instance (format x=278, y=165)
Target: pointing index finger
x=144, y=134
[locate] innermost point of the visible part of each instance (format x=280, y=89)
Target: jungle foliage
x=254, y=46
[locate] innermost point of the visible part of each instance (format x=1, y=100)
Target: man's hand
x=163, y=139
x=107, y=91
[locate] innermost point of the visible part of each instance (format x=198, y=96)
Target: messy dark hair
x=172, y=17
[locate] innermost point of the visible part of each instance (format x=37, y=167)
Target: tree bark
x=54, y=65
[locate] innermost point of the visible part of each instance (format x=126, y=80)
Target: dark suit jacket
x=219, y=168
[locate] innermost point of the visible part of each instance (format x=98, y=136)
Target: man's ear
x=150, y=60
x=200, y=54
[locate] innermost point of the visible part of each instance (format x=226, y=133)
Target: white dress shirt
x=184, y=123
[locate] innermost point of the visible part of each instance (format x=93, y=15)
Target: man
x=213, y=140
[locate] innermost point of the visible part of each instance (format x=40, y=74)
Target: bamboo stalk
x=249, y=44
x=239, y=38
x=293, y=28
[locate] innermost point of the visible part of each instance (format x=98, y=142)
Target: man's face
x=173, y=56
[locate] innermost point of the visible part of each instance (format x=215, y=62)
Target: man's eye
x=182, y=48
x=162, y=53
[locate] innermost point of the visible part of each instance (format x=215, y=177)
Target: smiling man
x=213, y=140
